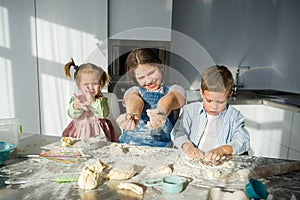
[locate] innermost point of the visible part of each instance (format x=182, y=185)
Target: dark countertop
x=275, y=98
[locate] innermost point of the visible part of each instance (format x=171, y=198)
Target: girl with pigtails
x=89, y=109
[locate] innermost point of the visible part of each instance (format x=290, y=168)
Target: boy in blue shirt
x=212, y=128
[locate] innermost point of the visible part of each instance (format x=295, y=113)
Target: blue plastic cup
x=255, y=189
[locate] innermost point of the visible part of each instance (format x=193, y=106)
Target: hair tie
x=75, y=67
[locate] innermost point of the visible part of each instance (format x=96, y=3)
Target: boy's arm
x=238, y=144
x=181, y=129
x=240, y=140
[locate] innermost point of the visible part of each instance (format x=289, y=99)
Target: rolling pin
x=270, y=170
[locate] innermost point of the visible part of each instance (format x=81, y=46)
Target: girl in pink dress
x=89, y=109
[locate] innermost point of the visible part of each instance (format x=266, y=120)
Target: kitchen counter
x=274, y=98
x=42, y=172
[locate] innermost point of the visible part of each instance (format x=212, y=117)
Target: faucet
x=236, y=84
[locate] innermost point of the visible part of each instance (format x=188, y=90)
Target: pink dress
x=88, y=125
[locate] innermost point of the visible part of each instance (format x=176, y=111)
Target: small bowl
x=5, y=149
x=255, y=189
x=173, y=184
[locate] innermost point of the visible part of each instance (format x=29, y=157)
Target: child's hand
x=214, y=154
x=217, y=153
x=157, y=119
x=191, y=151
x=90, y=98
x=78, y=105
x=128, y=121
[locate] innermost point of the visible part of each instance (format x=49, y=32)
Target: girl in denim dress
x=149, y=116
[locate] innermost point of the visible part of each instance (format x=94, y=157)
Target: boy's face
x=214, y=102
x=148, y=77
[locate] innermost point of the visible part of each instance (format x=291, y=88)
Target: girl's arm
x=174, y=99
x=171, y=101
x=134, y=106
x=100, y=108
x=72, y=111
x=133, y=103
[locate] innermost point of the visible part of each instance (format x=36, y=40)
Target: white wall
x=34, y=49
x=18, y=66
x=65, y=29
x=288, y=48
x=39, y=36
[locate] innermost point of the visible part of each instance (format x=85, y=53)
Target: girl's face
x=89, y=82
x=148, y=76
x=214, y=102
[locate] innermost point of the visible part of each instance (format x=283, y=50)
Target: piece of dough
x=218, y=194
x=212, y=173
x=90, y=175
x=230, y=177
x=117, y=149
x=131, y=186
x=66, y=141
x=126, y=172
x=160, y=171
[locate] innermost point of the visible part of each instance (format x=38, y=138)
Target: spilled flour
x=149, y=163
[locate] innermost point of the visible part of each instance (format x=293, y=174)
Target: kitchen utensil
x=66, y=156
x=255, y=189
x=5, y=149
x=171, y=184
x=64, y=178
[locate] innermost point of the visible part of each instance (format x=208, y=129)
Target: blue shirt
x=192, y=122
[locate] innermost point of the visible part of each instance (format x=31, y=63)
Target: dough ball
x=126, y=172
x=66, y=141
x=131, y=186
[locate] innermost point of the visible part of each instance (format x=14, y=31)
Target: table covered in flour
x=151, y=161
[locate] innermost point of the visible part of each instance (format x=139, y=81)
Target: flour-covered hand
x=156, y=118
x=214, y=154
x=128, y=121
x=192, y=152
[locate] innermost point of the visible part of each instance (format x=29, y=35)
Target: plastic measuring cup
x=10, y=129
x=171, y=184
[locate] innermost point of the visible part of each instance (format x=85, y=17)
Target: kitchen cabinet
x=269, y=129
x=294, y=151
x=140, y=19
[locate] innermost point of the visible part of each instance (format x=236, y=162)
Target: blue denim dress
x=142, y=135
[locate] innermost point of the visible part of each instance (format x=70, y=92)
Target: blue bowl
x=255, y=189
x=5, y=149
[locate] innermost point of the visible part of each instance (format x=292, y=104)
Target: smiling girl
x=89, y=109
x=149, y=118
